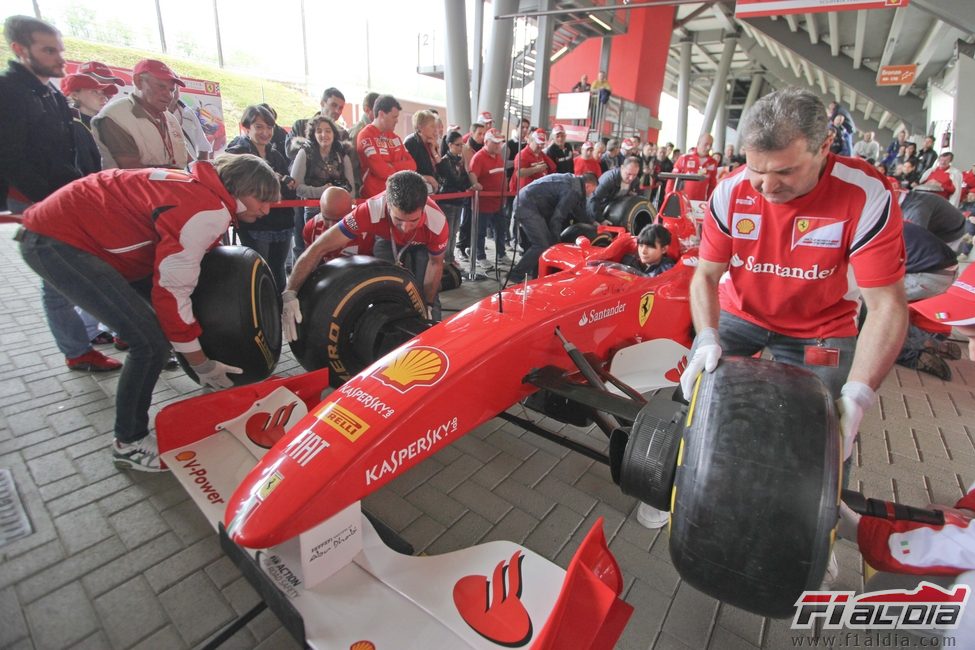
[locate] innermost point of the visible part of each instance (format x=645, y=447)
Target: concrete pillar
x=963, y=138
x=753, y=92
x=455, y=65
x=477, y=65
x=716, y=96
x=721, y=123
x=497, y=64
x=683, y=94
x=543, y=49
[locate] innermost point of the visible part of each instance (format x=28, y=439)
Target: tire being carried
x=756, y=492
x=354, y=310
x=239, y=308
x=631, y=212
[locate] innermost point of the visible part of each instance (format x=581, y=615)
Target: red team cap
x=75, y=82
x=626, y=145
x=494, y=135
x=157, y=69
x=557, y=129
x=485, y=118
x=539, y=136
x=99, y=71
x=587, y=145
x=956, y=306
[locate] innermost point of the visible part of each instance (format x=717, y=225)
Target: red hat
x=99, y=71
x=626, y=144
x=539, y=136
x=587, y=145
x=157, y=69
x=494, y=135
x=485, y=118
x=74, y=82
x=956, y=306
x=558, y=128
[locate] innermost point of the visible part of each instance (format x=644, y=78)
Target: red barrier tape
x=313, y=203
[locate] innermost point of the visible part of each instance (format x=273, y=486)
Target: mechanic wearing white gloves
x=114, y=240
x=789, y=243
x=409, y=229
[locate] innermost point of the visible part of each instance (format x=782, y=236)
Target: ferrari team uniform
x=114, y=241
x=411, y=250
x=693, y=163
x=381, y=154
x=489, y=172
x=794, y=268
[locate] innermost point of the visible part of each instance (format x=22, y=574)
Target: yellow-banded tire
x=352, y=308
x=756, y=491
x=239, y=308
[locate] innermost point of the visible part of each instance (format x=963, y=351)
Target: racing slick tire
x=352, y=308
x=451, y=278
x=757, y=485
x=576, y=230
x=631, y=212
x=239, y=308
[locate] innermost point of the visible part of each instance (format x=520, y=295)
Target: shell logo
x=418, y=366
x=745, y=226
x=185, y=455
x=363, y=645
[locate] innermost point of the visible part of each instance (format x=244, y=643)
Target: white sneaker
x=142, y=455
x=832, y=573
x=485, y=265
x=650, y=517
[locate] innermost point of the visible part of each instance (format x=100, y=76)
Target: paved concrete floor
x=123, y=560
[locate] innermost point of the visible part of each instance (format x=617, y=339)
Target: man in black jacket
x=543, y=209
x=614, y=184
x=37, y=156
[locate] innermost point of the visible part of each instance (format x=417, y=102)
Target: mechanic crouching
x=126, y=246
x=543, y=209
x=799, y=234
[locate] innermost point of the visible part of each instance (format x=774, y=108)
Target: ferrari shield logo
x=802, y=225
x=646, y=306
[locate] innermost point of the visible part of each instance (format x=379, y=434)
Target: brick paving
x=124, y=560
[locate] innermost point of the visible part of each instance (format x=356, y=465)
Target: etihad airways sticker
x=746, y=226
x=817, y=232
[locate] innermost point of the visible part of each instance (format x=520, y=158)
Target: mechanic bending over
x=409, y=228
x=788, y=229
x=112, y=239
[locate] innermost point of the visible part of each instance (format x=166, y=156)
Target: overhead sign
x=757, y=8
x=896, y=75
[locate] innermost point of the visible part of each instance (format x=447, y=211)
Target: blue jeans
x=414, y=259
x=739, y=337
x=496, y=219
x=100, y=290
x=273, y=246
x=454, y=214
x=299, y=241
x=540, y=237
x=69, y=330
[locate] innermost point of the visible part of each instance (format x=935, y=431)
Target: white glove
x=212, y=373
x=290, y=316
x=855, y=398
x=705, y=354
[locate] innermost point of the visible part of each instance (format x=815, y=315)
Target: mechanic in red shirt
x=409, y=230
x=531, y=162
x=798, y=231
x=697, y=161
x=789, y=243
x=381, y=152
x=115, y=239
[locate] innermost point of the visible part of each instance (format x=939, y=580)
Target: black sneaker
x=933, y=365
x=946, y=349
x=462, y=254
